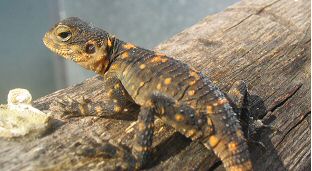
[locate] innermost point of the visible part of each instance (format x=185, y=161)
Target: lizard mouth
x=62, y=52
x=50, y=44
x=68, y=54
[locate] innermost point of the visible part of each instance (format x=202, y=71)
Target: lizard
x=162, y=86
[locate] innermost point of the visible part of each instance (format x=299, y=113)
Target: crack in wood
x=274, y=92
x=215, y=166
x=256, y=13
x=281, y=100
x=293, y=127
x=244, y=19
x=263, y=8
x=271, y=16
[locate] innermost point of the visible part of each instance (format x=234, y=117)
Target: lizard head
x=76, y=40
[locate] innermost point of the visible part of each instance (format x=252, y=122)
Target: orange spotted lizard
x=162, y=86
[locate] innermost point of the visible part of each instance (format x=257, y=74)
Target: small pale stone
x=19, y=118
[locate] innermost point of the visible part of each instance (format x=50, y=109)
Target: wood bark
x=265, y=42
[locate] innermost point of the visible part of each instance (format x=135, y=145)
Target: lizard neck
x=117, y=48
x=120, y=55
x=114, y=50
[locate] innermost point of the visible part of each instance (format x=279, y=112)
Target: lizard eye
x=63, y=33
x=64, y=36
x=90, y=48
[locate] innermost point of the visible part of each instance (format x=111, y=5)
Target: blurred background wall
x=26, y=63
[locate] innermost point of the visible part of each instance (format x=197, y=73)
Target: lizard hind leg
x=239, y=97
x=144, y=131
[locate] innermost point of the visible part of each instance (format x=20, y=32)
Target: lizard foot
x=240, y=100
x=69, y=107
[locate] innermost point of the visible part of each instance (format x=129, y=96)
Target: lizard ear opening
x=90, y=48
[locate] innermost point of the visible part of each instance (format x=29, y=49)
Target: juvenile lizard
x=162, y=86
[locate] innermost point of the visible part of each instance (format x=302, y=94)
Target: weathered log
x=266, y=43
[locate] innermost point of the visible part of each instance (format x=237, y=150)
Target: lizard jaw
x=50, y=44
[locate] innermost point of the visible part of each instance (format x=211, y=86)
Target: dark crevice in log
x=278, y=102
x=165, y=150
x=258, y=11
x=244, y=19
x=263, y=8
x=215, y=166
x=275, y=92
x=293, y=127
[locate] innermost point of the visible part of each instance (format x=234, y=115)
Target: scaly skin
x=181, y=96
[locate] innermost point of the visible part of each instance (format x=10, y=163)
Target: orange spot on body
x=213, y=141
x=114, y=66
x=222, y=101
x=192, y=82
x=195, y=75
x=190, y=133
x=142, y=66
x=179, y=117
x=232, y=146
x=167, y=81
x=159, y=59
x=209, y=109
x=109, y=42
x=128, y=46
x=191, y=92
x=141, y=84
x=124, y=55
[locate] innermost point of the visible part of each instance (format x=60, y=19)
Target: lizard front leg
x=141, y=147
x=119, y=103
